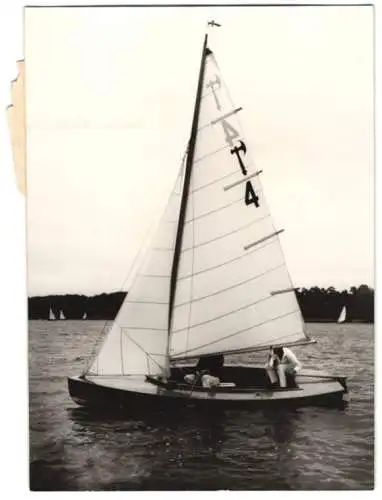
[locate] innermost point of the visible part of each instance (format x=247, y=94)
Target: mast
x=185, y=193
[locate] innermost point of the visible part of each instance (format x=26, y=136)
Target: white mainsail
x=231, y=258
x=232, y=289
x=62, y=314
x=138, y=340
x=52, y=317
x=342, y=316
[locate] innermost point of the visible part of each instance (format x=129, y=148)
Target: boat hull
x=134, y=392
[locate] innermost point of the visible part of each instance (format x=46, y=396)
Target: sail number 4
x=250, y=195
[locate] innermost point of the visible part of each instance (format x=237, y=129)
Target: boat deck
x=132, y=391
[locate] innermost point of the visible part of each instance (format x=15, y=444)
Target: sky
x=110, y=95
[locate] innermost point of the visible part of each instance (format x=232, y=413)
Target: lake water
x=309, y=448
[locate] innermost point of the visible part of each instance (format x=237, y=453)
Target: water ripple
x=308, y=448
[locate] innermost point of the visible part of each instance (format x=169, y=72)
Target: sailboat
x=213, y=281
x=85, y=316
x=52, y=317
x=342, y=316
x=62, y=315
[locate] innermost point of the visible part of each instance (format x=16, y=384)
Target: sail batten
x=286, y=290
x=261, y=240
x=241, y=181
x=227, y=115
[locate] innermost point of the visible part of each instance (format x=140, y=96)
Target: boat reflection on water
x=148, y=451
x=188, y=450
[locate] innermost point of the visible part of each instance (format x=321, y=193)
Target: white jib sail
x=137, y=342
x=342, y=315
x=231, y=258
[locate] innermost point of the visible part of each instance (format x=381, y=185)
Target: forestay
x=138, y=340
x=231, y=259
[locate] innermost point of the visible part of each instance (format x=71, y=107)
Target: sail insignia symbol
x=231, y=133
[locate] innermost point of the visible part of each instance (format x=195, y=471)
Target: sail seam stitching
x=228, y=234
x=242, y=256
x=140, y=347
x=212, y=211
x=218, y=237
x=215, y=181
x=233, y=286
x=226, y=314
x=211, y=154
x=240, y=331
x=207, y=269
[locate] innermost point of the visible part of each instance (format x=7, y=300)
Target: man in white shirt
x=281, y=362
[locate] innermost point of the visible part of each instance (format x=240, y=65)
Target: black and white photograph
x=200, y=247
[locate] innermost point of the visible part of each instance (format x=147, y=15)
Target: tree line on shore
x=317, y=304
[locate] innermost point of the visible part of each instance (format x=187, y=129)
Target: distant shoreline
x=318, y=305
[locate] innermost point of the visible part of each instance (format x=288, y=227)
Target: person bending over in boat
x=207, y=371
x=281, y=362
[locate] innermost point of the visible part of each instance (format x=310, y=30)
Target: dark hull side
x=87, y=393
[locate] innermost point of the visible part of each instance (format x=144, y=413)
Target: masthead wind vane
x=213, y=23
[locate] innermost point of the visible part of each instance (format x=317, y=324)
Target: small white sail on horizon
x=85, y=316
x=230, y=260
x=62, y=314
x=52, y=317
x=342, y=316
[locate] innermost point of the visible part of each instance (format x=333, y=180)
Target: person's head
x=279, y=351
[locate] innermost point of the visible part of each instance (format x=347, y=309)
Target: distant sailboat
x=85, y=316
x=52, y=317
x=342, y=316
x=62, y=314
x=213, y=282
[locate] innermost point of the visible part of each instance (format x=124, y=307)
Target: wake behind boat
x=213, y=282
